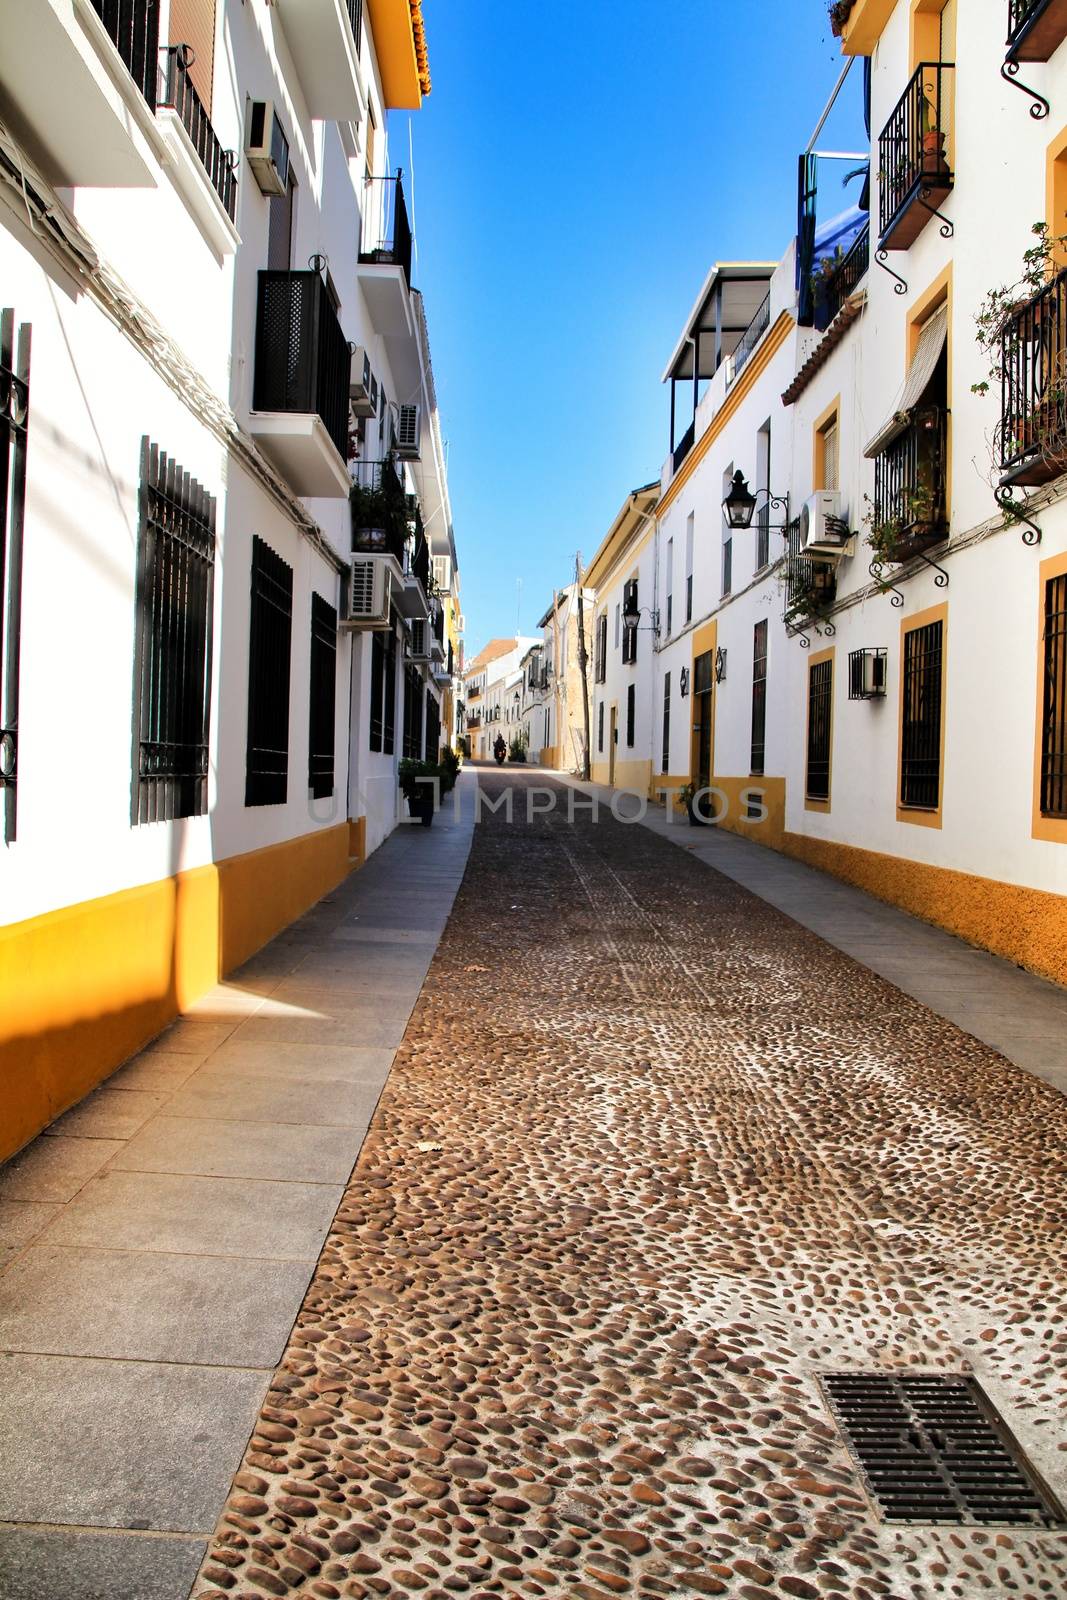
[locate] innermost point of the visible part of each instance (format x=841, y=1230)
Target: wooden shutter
x=192, y=22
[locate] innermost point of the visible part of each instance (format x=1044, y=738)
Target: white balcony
x=323, y=40
x=58, y=93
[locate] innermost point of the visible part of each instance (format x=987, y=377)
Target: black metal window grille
x=173, y=638
x=920, y=749
x=179, y=94
x=909, y=476
x=665, y=753
x=302, y=358
x=763, y=537
x=433, y=727
x=323, y=697
x=412, y=740
x=820, y=694
x=931, y=1448
x=389, y=703
x=269, y=640
x=1033, y=410
x=14, y=421
x=689, y=598
x=749, y=340
x=1054, y=701
x=387, y=239
x=759, y=697
x=133, y=27
x=911, y=153
x=670, y=612
x=377, y=680
x=600, y=658
x=631, y=713
x=600, y=728
x=727, y=566
x=355, y=17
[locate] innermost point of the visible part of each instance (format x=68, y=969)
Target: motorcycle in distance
x=500, y=749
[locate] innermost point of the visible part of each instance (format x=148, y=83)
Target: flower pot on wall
x=934, y=160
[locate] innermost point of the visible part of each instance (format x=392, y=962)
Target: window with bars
x=269, y=641
x=14, y=419
x=377, y=683
x=1054, y=701
x=820, y=692
x=323, y=697
x=727, y=566
x=389, y=695
x=600, y=728
x=172, y=641
x=759, y=698
x=690, y=528
x=665, y=764
x=920, y=739
x=433, y=728
x=412, y=745
x=631, y=713
x=600, y=656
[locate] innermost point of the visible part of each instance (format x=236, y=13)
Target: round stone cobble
x=651, y=1157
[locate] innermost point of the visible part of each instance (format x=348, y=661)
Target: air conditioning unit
x=442, y=573
x=418, y=640
x=823, y=532
x=370, y=592
x=267, y=148
x=362, y=385
x=406, y=433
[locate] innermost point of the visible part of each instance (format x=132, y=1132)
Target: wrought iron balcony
x=843, y=282
x=1035, y=28
x=913, y=170
x=748, y=342
x=379, y=507
x=386, y=237
x=909, y=487
x=810, y=585
x=683, y=447
x=178, y=93
x=1033, y=412
x=133, y=28
x=355, y=17
x=302, y=368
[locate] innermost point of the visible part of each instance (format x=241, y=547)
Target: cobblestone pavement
x=650, y=1158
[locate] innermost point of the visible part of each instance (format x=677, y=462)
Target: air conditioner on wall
x=442, y=572
x=418, y=640
x=406, y=433
x=823, y=531
x=267, y=148
x=362, y=384
x=369, y=592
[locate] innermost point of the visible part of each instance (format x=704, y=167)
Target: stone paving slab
x=651, y=1159
x=279, y=1058
x=36, y=1563
x=224, y=1094
x=241, y=1150
x=21, y=1221
x=54, y=1169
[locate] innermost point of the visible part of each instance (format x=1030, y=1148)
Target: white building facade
x=208, y=331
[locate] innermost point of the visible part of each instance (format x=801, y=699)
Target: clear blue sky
x=578, y=167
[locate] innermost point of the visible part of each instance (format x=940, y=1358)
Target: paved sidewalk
x=1022, y=1016
x=156, y=1243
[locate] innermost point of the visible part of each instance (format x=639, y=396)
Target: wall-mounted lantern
x=683, y=682
x=720, y=666
x=739, y=506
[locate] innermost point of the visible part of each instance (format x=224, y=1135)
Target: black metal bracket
x=900, y=287
x=940, y=575
x=947, y=228
x=805, y=642
x=829, y=630
x=1013, y=512
x=877, y=572
x=1009, y=72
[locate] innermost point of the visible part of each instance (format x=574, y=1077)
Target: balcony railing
x=133, y=27
x=1035, y=28
x=909, y=487
x=1033, y=413
x=913, y=170
x=355, y=17
x=438, y=626
x=302, y=359
x=417, y=563
x=180, y=96
x=379, y=508
x=683, y=447
x=844, y=281
x=748, y=342
x=386, y=238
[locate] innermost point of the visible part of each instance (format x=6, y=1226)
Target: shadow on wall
x=84, y=988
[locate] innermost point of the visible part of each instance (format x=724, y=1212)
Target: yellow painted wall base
x=772, y=790
x=1025, y=926
x=83, y=988
x=357, y=841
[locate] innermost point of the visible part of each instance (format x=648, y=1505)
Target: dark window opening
x=377, y=681
x=920, y=748
x=820, y=689
x=14, y=419
x=172, y=648
x=759, y=697
x=600, y=728
x=665, y=753
x=323, y=697
x=631, y=713
x=270, y=637
x=389, y=702
x=1054, y=701
x=727, y=566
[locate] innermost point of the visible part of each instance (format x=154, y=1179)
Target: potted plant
x=822, y=289
x=934, y=159
x=449, y=769
x=696, y=810
x=840, y=11
x=418, y=793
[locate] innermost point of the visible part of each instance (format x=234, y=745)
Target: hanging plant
x=840, y=11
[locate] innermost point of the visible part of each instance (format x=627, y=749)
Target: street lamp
x=739, y=506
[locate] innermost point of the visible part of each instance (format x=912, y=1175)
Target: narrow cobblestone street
x=650, y=1159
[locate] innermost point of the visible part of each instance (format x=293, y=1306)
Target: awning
x=923, y=362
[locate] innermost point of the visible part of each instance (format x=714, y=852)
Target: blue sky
x=578, y=167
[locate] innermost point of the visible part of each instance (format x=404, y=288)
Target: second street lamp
x=740, y=504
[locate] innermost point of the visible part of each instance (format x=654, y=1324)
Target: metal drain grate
x=932, y=1449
